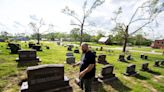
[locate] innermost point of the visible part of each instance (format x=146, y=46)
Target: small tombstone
x=129, y=57
x=122, y=58
x=27, y=57
x=96, y=49
x=95, y=85
x=142, y=56
x=46, y=78
x=69, y=54
x=162, y=62
x=107, y=73
x=14, y=48
x=146, y=57
x=130, y=70
x=102, y=59
x=156, y=63
x=76, y=50
x=58, y=42
x=69, y=48
x=144, y=67
x=70, y=59
x=30, y=45
x=101, y=48
x=37, y=47
x=47, y=47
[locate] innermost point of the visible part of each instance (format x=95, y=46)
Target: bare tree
x=86, y=14
x=150, y=8
x=36, y=28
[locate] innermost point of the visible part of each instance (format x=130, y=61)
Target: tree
x=145, y=14
x=36, y=28
x=75, y=33
x=4, y=35
x=86, y=14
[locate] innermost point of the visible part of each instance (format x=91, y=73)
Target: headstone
x=162, y=62
x=69, y=54
x=30, y=45
x=14, y=48
x=27, y=57
x=130, y=70
x=122, y=58
x=102, y=59
x=70, y=59
x=146, y=57
x=69, y=48
x=37, y=47
x=96, y=49
x=47, y=47
x=107, y=73
x=129, y=57
x=58, y=42
x=156, y=63
x=76, y=50
x=101, y=48
x=46, y=78
x=142, y=56
x=144, y=67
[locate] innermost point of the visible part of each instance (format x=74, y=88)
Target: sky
x=15, y=16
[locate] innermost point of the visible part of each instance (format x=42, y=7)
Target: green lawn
x=149, y=49
x=10, y=74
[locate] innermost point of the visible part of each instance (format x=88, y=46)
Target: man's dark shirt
x=88, y=59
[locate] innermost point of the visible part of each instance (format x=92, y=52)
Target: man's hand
x=81, y=74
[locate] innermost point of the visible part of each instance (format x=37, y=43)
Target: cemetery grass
x=10, y=74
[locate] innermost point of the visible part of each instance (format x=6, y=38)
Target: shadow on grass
x=138, y=76
x=119, y=86
x=154, y=72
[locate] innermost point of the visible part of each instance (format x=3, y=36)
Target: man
x=87, y=68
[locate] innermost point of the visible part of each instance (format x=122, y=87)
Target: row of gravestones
x=50, y=78
x=15, y=47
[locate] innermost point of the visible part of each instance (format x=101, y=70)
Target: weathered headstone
x=76, y=50
x=70, y=59
x=47, y=47
x=14, y=48
x=58, y=42
x=162, y=62
x=130, y=70
x=146, y=57
x=37, y=47
x=142, y=56
x=69, y=48
x=107, y=73
x=46, y=78
x=129, y=57
x=144, y=67
x=156, y=63
x=102, y=59
x=30, y=45
x=101, y=48
x=27, y=57
x=122, y=58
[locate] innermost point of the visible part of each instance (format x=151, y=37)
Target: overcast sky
x=15, y=15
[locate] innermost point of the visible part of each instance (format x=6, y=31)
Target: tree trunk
x=125, y=39
x=38, y=38
x=81, y=34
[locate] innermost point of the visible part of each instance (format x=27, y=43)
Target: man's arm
x=88, y=69
x=76, y=64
